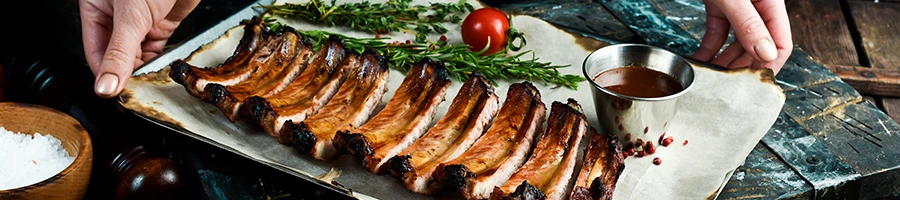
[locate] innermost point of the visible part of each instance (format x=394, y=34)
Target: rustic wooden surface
x=820, y=27
x=878, y=28
x=891, y=106
x=856, y=39
x=584, y=17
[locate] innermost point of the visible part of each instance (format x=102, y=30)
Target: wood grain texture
x=891, y=106
x=584, y=17
x=858, y=133
x=765, y=176
x=870, y=81
x=871, y=99
x=818, y=26
x=72, y=182
x=878, y=26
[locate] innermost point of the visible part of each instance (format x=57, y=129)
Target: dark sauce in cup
x=638, y=82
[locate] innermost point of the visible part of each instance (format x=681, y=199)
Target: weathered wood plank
x=858, y=133
x=872, y=81
x=765, y=176
x=642, y=18
x=891, y=107
x=819, y=27
x=878, y=26
x=689, y=15
x=871, y=100
x=584, y=17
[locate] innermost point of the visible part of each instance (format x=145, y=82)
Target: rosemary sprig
x=393, y=15
x=458, y=60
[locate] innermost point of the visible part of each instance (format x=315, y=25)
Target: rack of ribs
x=550, y=168
x=273, y=74
x=307, y=93
x=353, y=104
x=403, y=120
x=602, y=165
x=473, y=108
x=230, y=72
x=501, y=150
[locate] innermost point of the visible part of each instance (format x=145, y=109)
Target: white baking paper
x=723, y=118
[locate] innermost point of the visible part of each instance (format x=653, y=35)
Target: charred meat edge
x=551, y=166
x=350, y=108
x=603, y=163
x=525, y=191
x=501, y=150
x=314, y=87
x=403, y=120
x=473, y=108
x=274, y=74
x=230, y=72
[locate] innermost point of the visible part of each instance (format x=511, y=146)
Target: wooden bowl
x=72, y=182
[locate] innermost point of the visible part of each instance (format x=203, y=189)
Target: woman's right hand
x=761, y=27
x=120, y=35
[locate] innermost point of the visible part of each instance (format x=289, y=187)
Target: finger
x=744, y=60
x=181, y=9
x=749, y=28
x=775, y=16
x=729, y=54
x=131, y=22
x=95, y=31
x=154, y=46
x=164, y=28
x=715, y=36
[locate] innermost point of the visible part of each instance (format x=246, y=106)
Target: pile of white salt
x=26, y=159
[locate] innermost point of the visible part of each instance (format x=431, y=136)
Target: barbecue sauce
x=638, y=82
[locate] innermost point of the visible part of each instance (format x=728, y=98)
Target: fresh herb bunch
x=458, y=60
x=393, y=15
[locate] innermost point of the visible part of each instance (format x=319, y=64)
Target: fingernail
x=107, y=84
x=766, y=50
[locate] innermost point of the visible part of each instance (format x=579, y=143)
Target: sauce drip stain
x=638, y=82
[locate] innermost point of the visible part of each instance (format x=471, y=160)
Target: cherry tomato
x=484, y=23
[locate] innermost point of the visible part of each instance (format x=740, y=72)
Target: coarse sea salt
x=26, y=160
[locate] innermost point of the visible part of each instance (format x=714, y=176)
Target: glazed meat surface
x=232, y=71
x=602, y=165
x=471, y=111
x=403, y=120
x=550, y=167
x=501, y=150
x=273, y=74
x=306, y=94
x=352, y=106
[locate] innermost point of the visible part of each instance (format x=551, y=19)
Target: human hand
x=757, y=24
x=120, y=35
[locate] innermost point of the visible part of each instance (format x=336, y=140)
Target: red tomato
x=484, y=23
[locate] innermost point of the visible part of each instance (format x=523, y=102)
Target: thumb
x=131, y=22
x=749, y=28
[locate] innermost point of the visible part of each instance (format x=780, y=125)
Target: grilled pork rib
x=273, y=74
x=403, y=120
x=602, y=165
x=471, y=111
x=232, y=71
x=306, y=94
x=351, y=107
x=501, y=150
x=550, y=167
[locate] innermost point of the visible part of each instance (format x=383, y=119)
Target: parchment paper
x=723, y=117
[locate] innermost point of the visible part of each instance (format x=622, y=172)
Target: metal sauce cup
x=633, y=118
